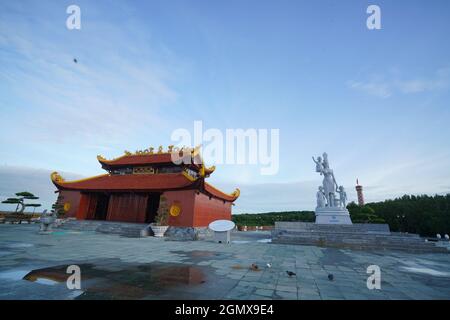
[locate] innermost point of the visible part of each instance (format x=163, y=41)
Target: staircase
x=356, y=236
x=124, y=229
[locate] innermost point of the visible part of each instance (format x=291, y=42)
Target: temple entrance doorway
x=101, y=211
x=152, y=207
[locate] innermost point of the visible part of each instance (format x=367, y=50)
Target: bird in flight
x=75, y=60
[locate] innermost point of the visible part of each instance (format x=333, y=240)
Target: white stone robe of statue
x=328, y=186
x=342, y=196
x=321, y=200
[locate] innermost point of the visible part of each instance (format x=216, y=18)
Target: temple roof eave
x=141, y=183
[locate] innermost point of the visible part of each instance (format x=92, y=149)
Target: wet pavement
x=34, y=266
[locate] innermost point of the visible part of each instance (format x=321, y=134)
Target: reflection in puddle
x=427, y=271
x=13, y=274
x=200, y=255
x=48, y=276
x=249, y=241
x=423, y=266
x=19, y=245
x=130, y=282
x=237, y=267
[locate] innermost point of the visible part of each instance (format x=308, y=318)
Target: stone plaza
x=33, y=266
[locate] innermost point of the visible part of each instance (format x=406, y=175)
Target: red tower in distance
x=359, y=191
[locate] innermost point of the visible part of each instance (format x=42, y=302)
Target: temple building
x=131, y=190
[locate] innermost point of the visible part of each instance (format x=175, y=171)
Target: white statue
x=342, y=196
x=329, y=182
x=319, y=165
x=331, y=198
x=47, y=220
x=321, y=200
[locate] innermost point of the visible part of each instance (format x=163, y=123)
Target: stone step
x=109, y=227
x=370, y=247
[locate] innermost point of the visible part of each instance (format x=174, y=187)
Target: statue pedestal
x=332, y=215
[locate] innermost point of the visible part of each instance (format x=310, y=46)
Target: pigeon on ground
x=269, y=265
x=75, y=60
x=330, y=277
x=254, y=267
x=290, y=273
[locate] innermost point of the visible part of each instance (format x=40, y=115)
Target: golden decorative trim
x=144, y=170
x=188, y=176
x=145, y=152
x=202, y=171
x=211, y=169
x=67, y=206
x=56, y=177
x=236, y=193
x=175, y=209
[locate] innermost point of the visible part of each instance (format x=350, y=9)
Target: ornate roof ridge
x=151, y=151
x=235, y=194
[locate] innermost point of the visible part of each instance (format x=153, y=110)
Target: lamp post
x=401, y=219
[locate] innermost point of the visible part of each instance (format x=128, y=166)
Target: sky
x=377, y=101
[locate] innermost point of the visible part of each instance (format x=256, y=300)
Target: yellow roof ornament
x=56, y=177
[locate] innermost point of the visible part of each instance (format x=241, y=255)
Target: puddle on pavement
x=427, y=271
x=201, y=255
x=19, y=245
x=13, y=274
x=48, y=276
x=5, y=253
x=144, y=281
x=265, y=240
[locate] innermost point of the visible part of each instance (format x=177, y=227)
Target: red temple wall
x=72, y=197
x=209, y=209
x=83, y=207
x=128, y=207
x=197, y=210
x=185, y=199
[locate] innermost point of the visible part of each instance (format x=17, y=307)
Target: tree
x=20, y=201
x=58, y=207
x=33, y=205
x=422, y=214
x=162, y=216
x=364, y=214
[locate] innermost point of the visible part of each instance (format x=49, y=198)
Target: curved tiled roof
x=131, y=182
x=142, y=183
x=137, y=159
x=220, y=194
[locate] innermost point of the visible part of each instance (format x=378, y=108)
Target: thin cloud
x=108, y=96
x=35, y=180
x=385, y=87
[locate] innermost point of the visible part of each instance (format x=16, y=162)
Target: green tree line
x=424, y=215
x=269, y=218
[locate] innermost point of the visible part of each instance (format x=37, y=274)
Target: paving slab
x=33, y=266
